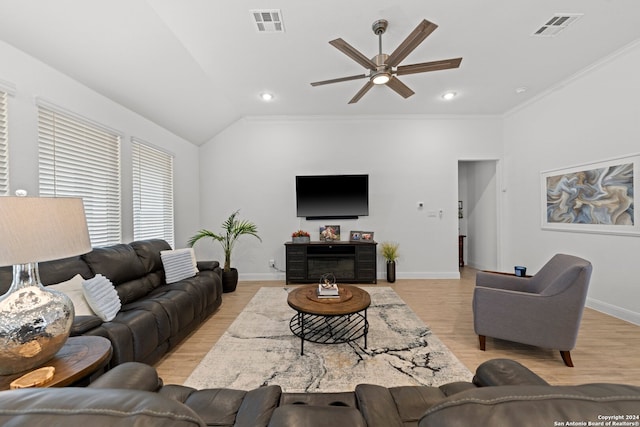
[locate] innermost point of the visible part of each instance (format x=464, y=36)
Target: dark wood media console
x=350, y=262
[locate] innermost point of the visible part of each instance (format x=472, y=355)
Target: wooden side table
x=77, y=360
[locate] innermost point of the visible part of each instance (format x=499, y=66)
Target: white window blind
x=4, y=159
x=152, y=193
x=81, y=159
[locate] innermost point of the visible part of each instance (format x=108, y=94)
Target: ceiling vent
x=267, y=20
x=557, y=23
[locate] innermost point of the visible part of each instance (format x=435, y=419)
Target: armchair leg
x=483, y=342
x=566, y=357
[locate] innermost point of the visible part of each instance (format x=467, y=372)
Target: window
x=4, y=160
x=80, y=159
x=152, y=193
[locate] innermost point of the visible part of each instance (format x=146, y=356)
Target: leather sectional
x=503, y=392
x=155, y=316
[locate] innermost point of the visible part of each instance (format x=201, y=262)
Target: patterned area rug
x=259, y=349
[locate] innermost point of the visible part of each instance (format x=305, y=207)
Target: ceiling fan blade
x=402, y=89
x=352, y=53
x=338, y=80
x=423, y=67
x=412, y=41
x=361, y=92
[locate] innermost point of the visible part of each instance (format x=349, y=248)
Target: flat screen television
x=332, y=196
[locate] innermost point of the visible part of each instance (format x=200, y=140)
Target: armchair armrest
x=490, y=279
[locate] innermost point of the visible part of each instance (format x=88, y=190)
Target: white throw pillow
x=73, y=289
x=178, y=264
x=102, y=297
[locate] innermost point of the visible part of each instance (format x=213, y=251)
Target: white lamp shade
x=36, y=229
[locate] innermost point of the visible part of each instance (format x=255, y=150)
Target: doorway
x=478, y=215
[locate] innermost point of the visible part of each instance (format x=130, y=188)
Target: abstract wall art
x=592, y=198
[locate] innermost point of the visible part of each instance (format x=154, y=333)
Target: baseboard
x=615, y=311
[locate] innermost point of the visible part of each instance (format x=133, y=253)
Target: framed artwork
x=366, y=236
x=329, y=233
x=355, y=236
x=592, y=198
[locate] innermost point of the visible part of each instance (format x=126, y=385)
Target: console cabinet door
x=296, y=263
x=366, y=263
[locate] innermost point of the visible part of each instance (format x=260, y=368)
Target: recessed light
x=266, y=96
x=448, y=96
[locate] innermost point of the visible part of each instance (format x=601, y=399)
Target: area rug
x=259, y=349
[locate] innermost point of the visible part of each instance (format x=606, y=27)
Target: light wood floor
x=608, y=349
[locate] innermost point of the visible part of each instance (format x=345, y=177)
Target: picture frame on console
x=594, y=197
x=329, y=233
x=355, y=236
x=366, y=236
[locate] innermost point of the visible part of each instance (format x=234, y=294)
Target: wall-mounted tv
x=332, y=196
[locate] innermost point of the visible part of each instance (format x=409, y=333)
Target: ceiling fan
x=383, y=68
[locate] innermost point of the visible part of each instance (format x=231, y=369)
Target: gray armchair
x=543, y=310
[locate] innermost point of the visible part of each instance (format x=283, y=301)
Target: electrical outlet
x=272, y=263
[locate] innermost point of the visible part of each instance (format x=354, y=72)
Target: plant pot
x=301, y=239
x=391, y=271
x=229, y=280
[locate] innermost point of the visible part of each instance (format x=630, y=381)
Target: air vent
x=267, y=20
x=557, y=23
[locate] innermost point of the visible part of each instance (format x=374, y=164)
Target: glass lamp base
x=34, y=321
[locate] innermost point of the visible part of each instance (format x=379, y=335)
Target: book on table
x=328, y=290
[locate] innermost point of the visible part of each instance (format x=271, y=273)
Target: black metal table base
x=329, y=329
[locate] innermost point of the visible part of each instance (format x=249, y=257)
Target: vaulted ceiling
x=196, y=66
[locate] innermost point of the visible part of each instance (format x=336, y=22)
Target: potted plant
x=300, y=236
x=232, y=228
x=390, y=253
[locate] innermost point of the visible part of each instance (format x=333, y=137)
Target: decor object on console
x=390, y=254
x=34, y=321
x=233, y=228
x=300, y=236
x=543, y=310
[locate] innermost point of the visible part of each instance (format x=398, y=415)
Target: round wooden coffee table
x=329, y=320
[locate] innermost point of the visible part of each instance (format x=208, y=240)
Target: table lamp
x=34, y=321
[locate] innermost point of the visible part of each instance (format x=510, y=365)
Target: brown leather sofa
x=503, y=392
x=155, y=316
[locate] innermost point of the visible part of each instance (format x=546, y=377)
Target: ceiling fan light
x=380, y=78
x=448, y=96
x=266, y=96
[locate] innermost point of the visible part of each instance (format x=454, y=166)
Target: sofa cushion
x=316, y=416
x=102, y=297
x=73, y=289
x=120, y=263
x=178, y=264
x=148, y=252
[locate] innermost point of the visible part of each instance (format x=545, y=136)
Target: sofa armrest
x=130, y=375
x=77, y=406
x=207, y=265
x=497, y=372
x=82, y=324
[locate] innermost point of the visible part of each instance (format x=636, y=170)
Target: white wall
x=252, y=166
x=33, y=79
x=592, y=117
